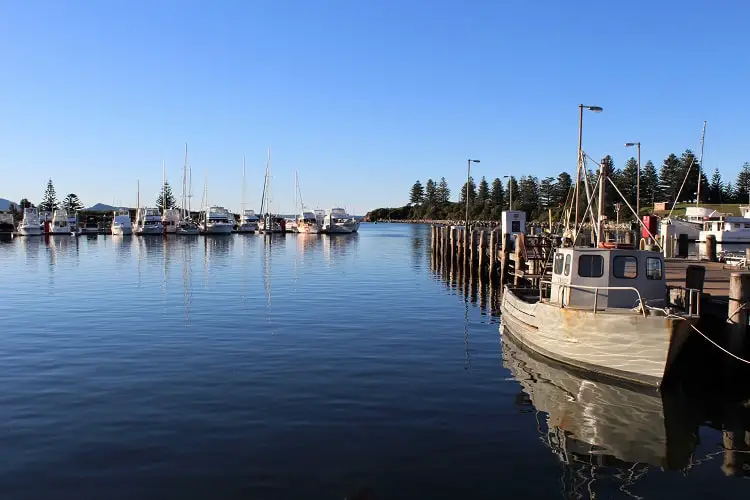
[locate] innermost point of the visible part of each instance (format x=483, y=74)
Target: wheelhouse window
x=559, y=258
x=591, y=266
x=654, y=268
x=568, y=260
x=625, y=267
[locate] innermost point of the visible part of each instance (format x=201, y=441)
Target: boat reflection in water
x=591, y=423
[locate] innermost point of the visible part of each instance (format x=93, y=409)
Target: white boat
x=121, y=224
x=290, y=224
x=148, y=222
x=60, y=223
x=186, y=226
x=29, y=225
x=216, y=220
x=691, y=224
x=170, y=219
x=269, y=222
x=338, y=221
x=603, y=312
x=726, y=229
x=73, y=222
x=248, y=222
x=310, y=222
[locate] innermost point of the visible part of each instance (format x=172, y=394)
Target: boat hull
x=623, y=345
x=247, y=228
x=122, y=231
x=308, y=229
x=339, y=229
x=726, y=236
x=60, y=231
x=219, y=228
x=149, y=231
x=29, y=231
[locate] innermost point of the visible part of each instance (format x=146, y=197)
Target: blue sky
x=362, y=98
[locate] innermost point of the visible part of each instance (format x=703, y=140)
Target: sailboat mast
x=190, y=191
x=296, y=186
x=700, y=166
x=243, y=187
x=268, y=176
x=163, y=188
x=184, y=184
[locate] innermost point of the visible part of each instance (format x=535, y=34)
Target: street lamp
x=638, y=182
x=466, y=195
x=581, y=107
x=510, y=189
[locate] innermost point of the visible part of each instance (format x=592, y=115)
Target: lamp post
x=510, y=190
x=638, y=182
x=581, y=107
x=466, y=195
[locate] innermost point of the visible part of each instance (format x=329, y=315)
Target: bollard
x=711, y=248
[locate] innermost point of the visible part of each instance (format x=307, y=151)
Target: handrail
x=596, y=291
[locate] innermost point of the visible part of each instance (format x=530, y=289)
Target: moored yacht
x=121, y=224
x=170, y=220
x=726, y=229
x=691, y=224
x=29, y=226
x=60, y=223
x=216, y=220
x=310, y=222
x=290, y=224
x=338, y=221
x=148, y=222
x=248, y=222
x=90, y=225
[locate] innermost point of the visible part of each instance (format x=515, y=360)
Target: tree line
x=675, y=181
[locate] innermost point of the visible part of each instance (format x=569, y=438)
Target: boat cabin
x=727, y=224
x=606, y=278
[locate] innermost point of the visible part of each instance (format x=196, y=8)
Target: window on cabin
x=515, y=226
x=559, y=263
x=654, y=269
x=591, y=266
x=568, y=260
x=625, y=267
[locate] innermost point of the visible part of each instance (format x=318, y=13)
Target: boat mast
x=602, y=201
x=163, y=188
x=700, y=166
x=184, y=184
x=243, y=188
x=190, y=191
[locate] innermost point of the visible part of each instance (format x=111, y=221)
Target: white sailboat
x=307, y=222
x=147, y=220
x=270, y=223
x=186, y=226
x=248, y=218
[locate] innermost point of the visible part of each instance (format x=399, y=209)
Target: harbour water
x=306, y=366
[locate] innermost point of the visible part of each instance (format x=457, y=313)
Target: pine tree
x=728, y=194
x=416, y=196
x=562, y=188
x=528, y=195
x=547, y=192
x=628, y=181
x=49, y=202
x=166, y=193
x=497, y=193
x=24, y=204
x=688, y=172
x=716, y=188
x=71, y=203
x=650, y=191
x=483, y=195
x=669, y=178
x=443, y=192
x=742, y=186
x=472, y=192
x=513, y=193
x=431, y=192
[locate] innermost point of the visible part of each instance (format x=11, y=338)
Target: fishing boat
x=121, y=224
x=148, y=222
x=216, y=220
x=269, y=223
x=29, y=225
x=60, y=224
x=6, y=223
x=337, y=221
x=605, y=310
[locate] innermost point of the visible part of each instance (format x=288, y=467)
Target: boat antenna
x=700, y=166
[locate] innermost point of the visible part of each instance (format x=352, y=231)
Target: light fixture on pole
x=638, y=182
x=466, y=196
x=581, y=163
x=510, y=190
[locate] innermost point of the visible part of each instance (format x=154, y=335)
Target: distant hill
x=4, y=204
x=101, y=207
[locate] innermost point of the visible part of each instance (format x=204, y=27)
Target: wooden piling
x=493, y=257
x=505, y=256
x=711, y=248
x=739, y=296
x=453, y=243
x=482, y=252
x=520, y=262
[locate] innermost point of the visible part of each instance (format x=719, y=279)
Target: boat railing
x=690, y=296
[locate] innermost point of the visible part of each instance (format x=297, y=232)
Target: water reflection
x=338, y=245
x=607, y=436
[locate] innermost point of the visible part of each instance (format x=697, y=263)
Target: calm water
x=307, y=367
